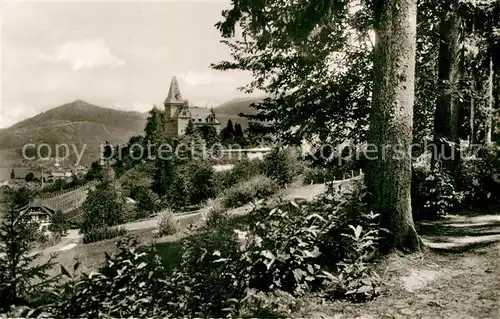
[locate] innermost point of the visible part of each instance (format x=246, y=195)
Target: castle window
x=199, y=120
x=184, y=113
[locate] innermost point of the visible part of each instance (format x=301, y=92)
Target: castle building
x=178, y=113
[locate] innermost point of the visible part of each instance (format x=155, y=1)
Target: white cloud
x=86, y=53
x=203, y=78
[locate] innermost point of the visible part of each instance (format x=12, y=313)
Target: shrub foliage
x=236, y=266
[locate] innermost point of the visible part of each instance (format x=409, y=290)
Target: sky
x=117, y=54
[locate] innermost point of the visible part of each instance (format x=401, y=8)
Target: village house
x=39, y=214
x=21, y=173
x=178, y=113
x=59, y=175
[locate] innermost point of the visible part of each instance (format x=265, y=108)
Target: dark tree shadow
x=463, y=248
x=454, y=229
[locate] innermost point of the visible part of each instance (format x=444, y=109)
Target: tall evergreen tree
x=190, y=128
x=21, y=279
x=155, y=125
x=163, y=177
x=227, y=133
x=209, y=134
x=238, y=131
x=229, y=128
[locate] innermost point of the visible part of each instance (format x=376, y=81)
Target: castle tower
x=174, y=99
x=177, y=114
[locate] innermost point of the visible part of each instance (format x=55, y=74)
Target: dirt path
x=457, y=276
x=427, y=285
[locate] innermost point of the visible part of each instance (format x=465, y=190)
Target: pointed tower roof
x=174, y=93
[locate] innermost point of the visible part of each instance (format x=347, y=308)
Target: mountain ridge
x=79, y=122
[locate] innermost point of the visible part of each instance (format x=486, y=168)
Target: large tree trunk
x=447, y=117
x=391, y=121
x=472, y=111
x=471, y=119
x=489, y=117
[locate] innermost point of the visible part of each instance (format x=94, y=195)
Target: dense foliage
x=95, y=172
x=59, y=223
x=258, y=186
x=226, y=269
x=21, y=280
x=434, y=193
x=282, y=166
x=103, y=207
x=147, y=202
x=167, y=225
x=480, y=178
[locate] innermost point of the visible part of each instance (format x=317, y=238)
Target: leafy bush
x=351, y=244
x=167, y=224
x=480, y=177
x=147, y=201
x=59, y=223
x=257, y=187
x=130, y=284
x=281, y=165
x=103, y=207
x=211, y=272
x=286, y=249
x=214, y=215
x=98, y=234
x=242, y=170
x=223, y=267
x=316, y=175
x=240, y=266
x=281, y=248
x=199, y=180
x=355, y=280
x=342, y=209
x=434, y=193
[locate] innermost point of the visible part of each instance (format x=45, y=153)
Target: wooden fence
x=68, y=199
